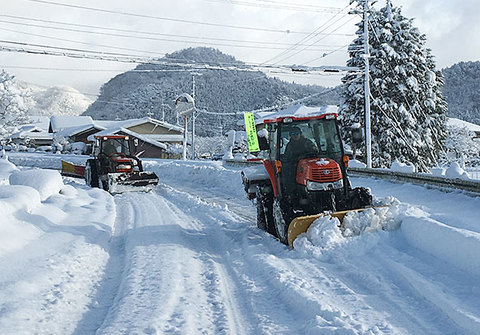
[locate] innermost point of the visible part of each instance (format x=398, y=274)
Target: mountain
x=57, y=100
x=462, y=91
x=151, y=89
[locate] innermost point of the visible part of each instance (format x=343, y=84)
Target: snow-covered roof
x=32, y=132
x=116, y=130
x=299, y=111
x=60, y=122
x=135, y=122
x=70, y=131
x=463, y=124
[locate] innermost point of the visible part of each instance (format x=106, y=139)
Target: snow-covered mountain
x=151, y=90
x=57, y=100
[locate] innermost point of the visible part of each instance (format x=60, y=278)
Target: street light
x=184, y=103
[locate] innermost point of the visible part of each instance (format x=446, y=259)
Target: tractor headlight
x=124, y=167
x=314, y=186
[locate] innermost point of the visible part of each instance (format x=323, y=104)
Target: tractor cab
x=308, y=156
x=112, y=145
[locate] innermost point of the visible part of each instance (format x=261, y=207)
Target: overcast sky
x=254, y=31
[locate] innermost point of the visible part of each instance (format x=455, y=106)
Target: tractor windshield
x=115, y=145
x=310, y=138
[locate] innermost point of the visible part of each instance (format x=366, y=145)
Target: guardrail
x=419, y=178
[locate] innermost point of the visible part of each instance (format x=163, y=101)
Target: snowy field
x=187, y=258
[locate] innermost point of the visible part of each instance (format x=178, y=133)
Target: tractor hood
x=319, y=170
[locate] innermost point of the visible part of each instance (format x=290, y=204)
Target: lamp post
x=184, y=103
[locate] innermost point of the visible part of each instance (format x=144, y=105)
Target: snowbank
x=46, y=182
x=326, y=235
x=356, y=164
x=402, y=167
x=6, y=168
x=455, y=171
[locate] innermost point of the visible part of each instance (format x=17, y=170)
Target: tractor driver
x=109, y=148
x=298, y=147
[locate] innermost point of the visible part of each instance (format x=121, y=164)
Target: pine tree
x=408, y=111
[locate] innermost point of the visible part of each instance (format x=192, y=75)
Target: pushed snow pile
x=13, y=198
x=455, y=171
x=6, y=168
x=356, y=164
x=401, y=167
x=326, y=233
x=46, y=182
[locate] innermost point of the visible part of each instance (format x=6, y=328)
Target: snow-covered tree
x=461, y=147
x=12, y=103
x=408, y=111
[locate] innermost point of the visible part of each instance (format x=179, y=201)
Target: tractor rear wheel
x=91, y=174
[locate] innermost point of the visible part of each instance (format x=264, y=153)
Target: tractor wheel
x=361, y=198
x=281, y=222
x=265, y=214
x=261, y=218
x=91, y=174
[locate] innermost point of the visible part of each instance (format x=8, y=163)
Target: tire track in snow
x=273, y=310
x=174, y=280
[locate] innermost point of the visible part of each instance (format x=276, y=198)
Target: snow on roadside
x=54, y=242
x=46, y=182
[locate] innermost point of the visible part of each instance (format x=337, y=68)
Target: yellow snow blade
x=302, y=223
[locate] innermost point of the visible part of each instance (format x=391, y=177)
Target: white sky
x=452, y=28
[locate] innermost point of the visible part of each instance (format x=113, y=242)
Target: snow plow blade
x=302, y=223
x=136, y=181
x=72, y=170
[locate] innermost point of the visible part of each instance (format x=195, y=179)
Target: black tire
x=265, y=213
x=361, y=198
x=261, y=218
x=91, y=174
x=281, y=222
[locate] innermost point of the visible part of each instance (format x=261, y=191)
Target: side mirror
x=357, y=135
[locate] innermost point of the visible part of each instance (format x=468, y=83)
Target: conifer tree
x=408, y=111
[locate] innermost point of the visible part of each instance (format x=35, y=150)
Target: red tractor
x=304, y=175
x=114, y=168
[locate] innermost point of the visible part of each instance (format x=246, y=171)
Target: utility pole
x=194, y=112
x=366, y=56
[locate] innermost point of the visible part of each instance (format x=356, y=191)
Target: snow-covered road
x=188, y=259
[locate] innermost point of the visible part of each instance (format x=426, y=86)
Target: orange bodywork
x=323, y=170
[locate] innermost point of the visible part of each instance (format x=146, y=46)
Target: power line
x=80, y=42
x=165, y=18
x=149, y=33
x=125, y=58
x=149, y=38
x=318, y=40
x=305, y=39
x=280, y=5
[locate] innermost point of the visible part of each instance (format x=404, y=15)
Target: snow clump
x=46, y=182
x=455, y=171
x=401, y=167
x=6, y=168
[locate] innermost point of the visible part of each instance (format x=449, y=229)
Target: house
x=150, y=137
x=32, y=135
x=464, y=124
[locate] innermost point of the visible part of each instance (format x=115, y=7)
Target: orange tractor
x=113, y=167
x=304, y=175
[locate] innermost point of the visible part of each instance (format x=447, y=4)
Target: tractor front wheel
x=91, y=174
x=281, y=221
